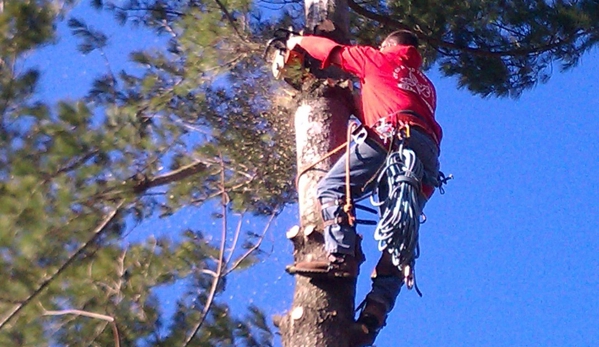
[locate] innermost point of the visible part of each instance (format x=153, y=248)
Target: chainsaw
x=289, y=65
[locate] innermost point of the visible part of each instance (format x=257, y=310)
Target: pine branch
x=140, y=184
x=518, y=52
x=71, y=165
x=96, y=233
x=230, y=18
x=173, y=176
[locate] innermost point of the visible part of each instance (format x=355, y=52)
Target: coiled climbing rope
x=398, y=228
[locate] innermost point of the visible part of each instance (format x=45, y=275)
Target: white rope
x=397, y=230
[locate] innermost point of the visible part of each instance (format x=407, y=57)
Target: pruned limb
x=293, y=233
x=309, y=230
x=173, y=176
x=277, y=320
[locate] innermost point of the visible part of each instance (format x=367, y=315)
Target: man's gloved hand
x=293, y=41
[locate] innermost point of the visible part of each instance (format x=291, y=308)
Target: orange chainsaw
x=289, y=65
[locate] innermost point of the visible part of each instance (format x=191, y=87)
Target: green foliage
x=494, y=48
x=75, y=176
x=91, y=39
x=199, y=122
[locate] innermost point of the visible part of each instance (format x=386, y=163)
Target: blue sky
x=509, y=255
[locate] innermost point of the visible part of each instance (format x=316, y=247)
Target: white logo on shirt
x=412, y=83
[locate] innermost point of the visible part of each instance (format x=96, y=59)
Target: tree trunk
x=322, y=310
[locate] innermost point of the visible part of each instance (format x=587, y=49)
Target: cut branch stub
x=277, y=320
x=293, y=232
x=297, y=313
x=308, y=230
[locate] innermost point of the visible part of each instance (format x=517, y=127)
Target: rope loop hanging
x=399, y=205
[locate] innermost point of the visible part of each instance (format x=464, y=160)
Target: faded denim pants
x=365, y=161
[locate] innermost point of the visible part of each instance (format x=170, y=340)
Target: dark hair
x=402, y=37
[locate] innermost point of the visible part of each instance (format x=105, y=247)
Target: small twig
x=120, y=272
x=219, y=267
x=146, y=269
x=73, y=164
x=109, y=319
x=235, y=239
x=254, y=247
x=217, y=69
x=233, y=188
x=209, y=273
x=148, y=9
x=79, y=313
x=169, y=29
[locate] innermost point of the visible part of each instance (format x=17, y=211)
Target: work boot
x=335, y=265
x=366, y=328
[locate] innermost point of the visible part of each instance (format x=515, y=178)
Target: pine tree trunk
x=322, y=310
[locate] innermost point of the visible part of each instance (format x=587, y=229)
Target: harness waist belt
x=420, y=118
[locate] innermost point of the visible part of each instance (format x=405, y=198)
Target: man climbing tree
x=398, y=103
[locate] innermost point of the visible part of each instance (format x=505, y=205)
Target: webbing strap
x=348, y=207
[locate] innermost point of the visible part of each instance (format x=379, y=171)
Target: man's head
x=400, y=37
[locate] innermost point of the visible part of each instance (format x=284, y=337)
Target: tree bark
x=322, y=310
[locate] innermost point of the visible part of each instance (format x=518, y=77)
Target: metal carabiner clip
x=359, y=134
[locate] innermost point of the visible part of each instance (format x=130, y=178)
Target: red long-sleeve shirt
x=391, y=82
